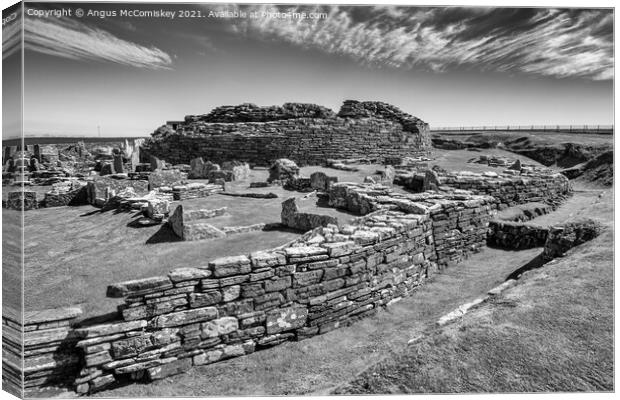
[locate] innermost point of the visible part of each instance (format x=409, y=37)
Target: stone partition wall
x=512, y=188
x=12, y=351
x=232, y=306
x=46, y=341
x=460, y=220
x=564, y=237
x=516, y=235
x=309, y=135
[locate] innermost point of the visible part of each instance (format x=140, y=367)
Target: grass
x=552, y=332
x=538, y=137
x=73, y=253
x=316, y=365
x=11, y=261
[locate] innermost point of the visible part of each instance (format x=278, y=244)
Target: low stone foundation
x=67, y=194
x=509, y=187
x=516, y=236
x=292, y=218
x=50, y=355
x=22, y=200
x=564, y=237
x=328, y=278
x=194, y=191
x=459, y=219
x=101, y=189
x=191, y=224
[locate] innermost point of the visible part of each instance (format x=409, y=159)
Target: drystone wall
x=566, y=236
x=516, y=235
x=12, y=351
x=235, y=305
x=232, y=306
x=511, y=189
x=307, y=134
x=460, y=220
x=49, y=352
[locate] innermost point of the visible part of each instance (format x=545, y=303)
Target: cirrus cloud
x=74, y=40
x=560, y=43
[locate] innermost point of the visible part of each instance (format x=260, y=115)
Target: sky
x=124, y=75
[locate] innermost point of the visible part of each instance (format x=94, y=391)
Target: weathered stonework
x=305, y=133
x=101, y=189
x=193, y=224
x=292, y=218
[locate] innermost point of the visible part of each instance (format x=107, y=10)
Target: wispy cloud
x=74, y=40
x=549, y=42
x=11, y=37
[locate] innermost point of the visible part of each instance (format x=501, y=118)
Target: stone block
x=219, y=327
x=169, y=369
x=131, y=347
x=262, y=259
x=277, y=284
x=185, y=317
x=286, y=319
x=22, y=200
x=227, y=266
x=231, y=293
x=139, y=286
x=110, y=329
x=208, y=357
x=159, y=178
x=188, y=226
x=187, y=274
x=101, y=382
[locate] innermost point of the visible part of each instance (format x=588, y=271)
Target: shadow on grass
x=534, y=263
x=88, y=214
x=115, y=210
x=277, y=226
x=165, y=234
x=99, y=319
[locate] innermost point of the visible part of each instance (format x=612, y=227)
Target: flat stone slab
x=185, y=317
x=51, y=315
x=136, y=286
x=110, y=329
x=188, y=274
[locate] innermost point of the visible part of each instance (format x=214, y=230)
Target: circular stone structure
x=305, y=133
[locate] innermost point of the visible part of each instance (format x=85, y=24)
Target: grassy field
x=534, y=334
x=73, y=253
x=552, y=332
x=12, y=261
x=317, y=365
x=539, y=137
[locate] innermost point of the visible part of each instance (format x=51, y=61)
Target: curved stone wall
x=307, y=134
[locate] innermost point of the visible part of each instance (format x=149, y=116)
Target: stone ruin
x=306, y=133
x=331, y=276
x=232, y=306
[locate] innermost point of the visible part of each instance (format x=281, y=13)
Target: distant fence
x=600, y=129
